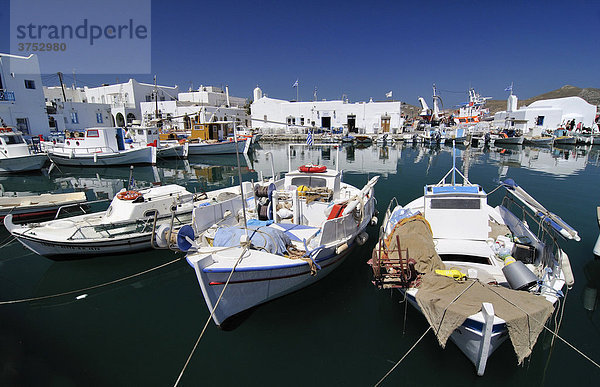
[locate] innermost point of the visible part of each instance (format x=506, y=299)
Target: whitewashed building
x=58, y=94
x=75, y=113
x=276, y=115
x=22, y=102
x=125, y=98
x=78, y=115
x=548, y=114
x=209, y=102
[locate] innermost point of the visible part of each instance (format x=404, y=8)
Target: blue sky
x=366, y=48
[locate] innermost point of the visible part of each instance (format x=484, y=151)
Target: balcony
x=7, y=95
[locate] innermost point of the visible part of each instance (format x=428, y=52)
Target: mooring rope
x=88, y=288
x=10, y=240
x=245, y=248
x=405, y=355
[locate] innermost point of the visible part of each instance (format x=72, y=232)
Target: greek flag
x=295, y=84
x=388, y=95
x=509, y=88
x=309, y=138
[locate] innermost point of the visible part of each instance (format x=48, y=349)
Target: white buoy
x=566, y=269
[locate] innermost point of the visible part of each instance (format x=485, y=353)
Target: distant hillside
x=589, y=94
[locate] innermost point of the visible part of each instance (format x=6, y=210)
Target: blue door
x=120, y=142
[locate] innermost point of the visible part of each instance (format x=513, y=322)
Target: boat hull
x=33, y=162
x=60, y=251
x=172, y=152
x=249, y=288
x=219, y=148
x=566, y=140
x=135, y=156
x=509, y=140
x=469, y=336
x=539, y=141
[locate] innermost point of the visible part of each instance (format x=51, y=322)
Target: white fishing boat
x=15, y=155
x=100, y=146
x=37, y=207
x=478, y=273
x=564, y=137
x=150, y=136
x=219, y=147
x=126, y=225
x=508, y=137
x=538, y=140
x=298, y=230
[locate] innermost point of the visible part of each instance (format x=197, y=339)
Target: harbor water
x=341, y=331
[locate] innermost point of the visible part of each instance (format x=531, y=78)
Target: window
x=23, y=125
x=148, y=98
x=92, y=133
x=301, y=120
x=74, y=118
x=12, y=139
x=29, y=84
x=455, y=204
x=1, y=86
x=99, y=118
x=265, y=118
x=539, y=120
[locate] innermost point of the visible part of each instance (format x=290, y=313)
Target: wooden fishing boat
x=298, y=229
x=100, y=146
x=478, y=273
x=16, y=155
x=126, y=226
x=38, y=207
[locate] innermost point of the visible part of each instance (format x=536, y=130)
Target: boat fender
x=374, y=221
x=161, y=235
x=362, y=238
x=128, y=195
x=565, y=265
x=341, y=248
x=185, y=238
x=519, y=276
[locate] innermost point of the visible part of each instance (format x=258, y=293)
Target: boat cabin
x=305, y=177
x=446, y=203
x=142, y=135
x=128, y=205
x=217, y=130
x=97, y=140
x=12, y=144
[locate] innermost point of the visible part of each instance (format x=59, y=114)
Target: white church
x=542, y=115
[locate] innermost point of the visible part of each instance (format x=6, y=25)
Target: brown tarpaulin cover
x=415, y=235
x=437, y=292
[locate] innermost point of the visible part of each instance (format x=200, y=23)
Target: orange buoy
x=309, y=168
x=128, y=195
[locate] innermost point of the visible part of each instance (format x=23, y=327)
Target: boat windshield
x=10, y=139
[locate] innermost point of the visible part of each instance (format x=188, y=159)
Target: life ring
x=128, y=195
x=309, y=168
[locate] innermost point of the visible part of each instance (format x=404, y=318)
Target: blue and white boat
x=478, y=273
x=298, y=229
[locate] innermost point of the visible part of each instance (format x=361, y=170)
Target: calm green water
x=341, y=331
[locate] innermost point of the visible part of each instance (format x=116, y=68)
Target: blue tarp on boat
x=270, y=239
